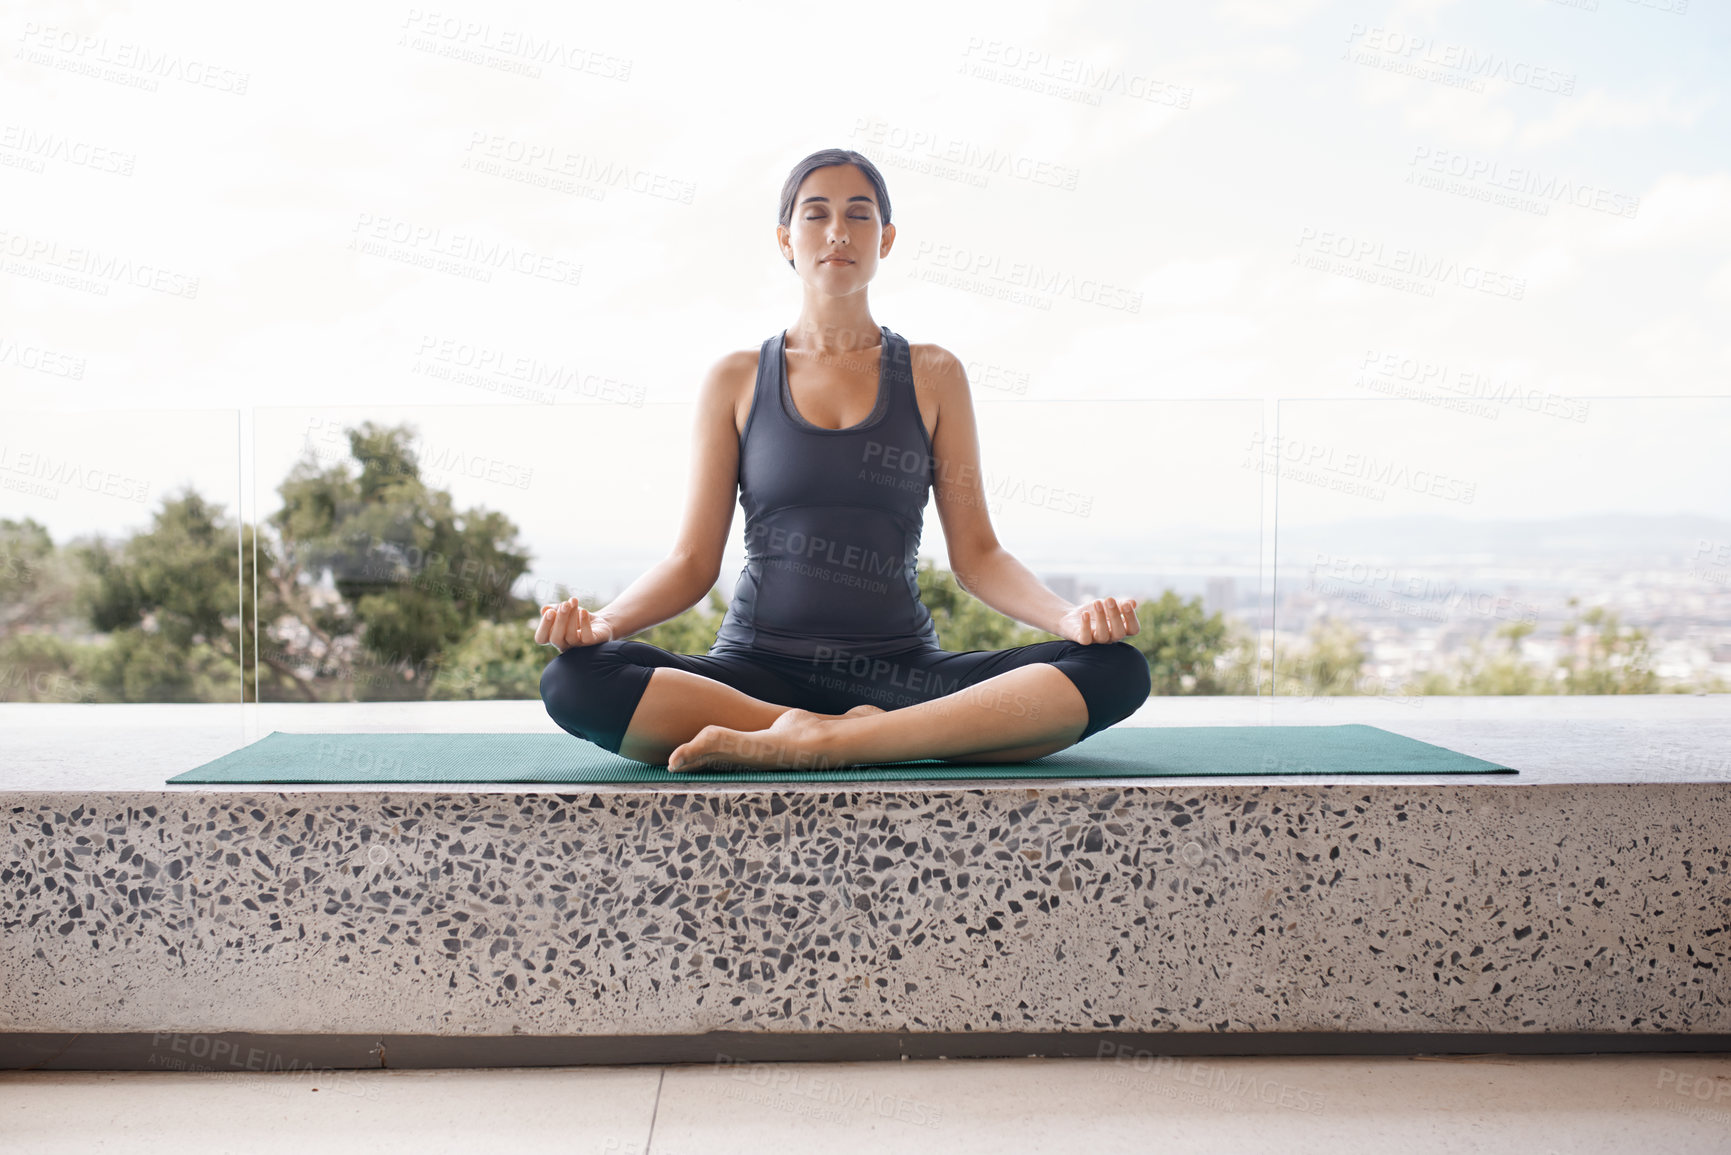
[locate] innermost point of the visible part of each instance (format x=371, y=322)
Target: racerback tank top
x=832, y=521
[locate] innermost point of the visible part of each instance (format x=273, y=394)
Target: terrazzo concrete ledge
x=1322, y=908
x=1168, y=907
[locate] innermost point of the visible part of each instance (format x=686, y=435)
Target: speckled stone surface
x=1070, y=907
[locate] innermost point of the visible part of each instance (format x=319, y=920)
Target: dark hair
x=825, y=158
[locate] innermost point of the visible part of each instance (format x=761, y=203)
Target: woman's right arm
x=691, y=568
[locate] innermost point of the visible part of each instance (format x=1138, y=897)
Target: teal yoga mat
x=1119, y=752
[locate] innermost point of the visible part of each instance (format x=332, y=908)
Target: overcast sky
x=1140, y=226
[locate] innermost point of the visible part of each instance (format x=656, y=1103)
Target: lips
x=835, y=261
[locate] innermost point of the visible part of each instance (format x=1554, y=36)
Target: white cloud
x=1680, y=209
x=1599, y=108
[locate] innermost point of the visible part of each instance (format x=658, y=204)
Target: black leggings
x=592, y=691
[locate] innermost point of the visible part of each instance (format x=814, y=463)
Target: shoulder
x=730, y=374
x=937, y=370
x=729, y=383
x=732, y=366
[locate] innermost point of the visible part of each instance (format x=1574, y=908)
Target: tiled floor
x=1649, y=1104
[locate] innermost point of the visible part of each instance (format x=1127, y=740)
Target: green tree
x=415, y=577
x=494, y=660
x=963, y=621
x=38, y=582
x=690, y=632
x=169, y=599
x=40, y=652
x=1181, y=643
x=1248, y=666
x=1613, y=661
x=1504, y=671
x=1328, y=664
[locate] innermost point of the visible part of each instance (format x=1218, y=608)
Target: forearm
x=665, y=590
x=1004, y=583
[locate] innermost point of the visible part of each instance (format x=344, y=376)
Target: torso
x=834, y=479
x=835, y=391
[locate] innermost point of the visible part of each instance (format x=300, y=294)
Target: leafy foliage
x=370, y=585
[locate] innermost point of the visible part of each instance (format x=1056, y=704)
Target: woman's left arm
x=981, y=565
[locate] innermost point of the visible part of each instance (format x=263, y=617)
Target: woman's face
x=836, y=236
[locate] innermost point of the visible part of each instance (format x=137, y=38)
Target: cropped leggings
x=592, y=691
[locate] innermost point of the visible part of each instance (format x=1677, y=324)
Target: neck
x=834, y=327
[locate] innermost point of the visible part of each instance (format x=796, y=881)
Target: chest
x=835, y=391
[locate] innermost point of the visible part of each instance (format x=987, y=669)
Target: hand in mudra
x=569, y=624
x=1101, y=620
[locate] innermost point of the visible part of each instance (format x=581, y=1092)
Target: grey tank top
x=832, y=521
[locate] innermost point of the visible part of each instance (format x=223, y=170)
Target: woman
x=832, y=442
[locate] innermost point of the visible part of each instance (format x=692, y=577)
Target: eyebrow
x=825, y=200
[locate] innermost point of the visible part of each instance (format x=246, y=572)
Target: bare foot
x=793, y=741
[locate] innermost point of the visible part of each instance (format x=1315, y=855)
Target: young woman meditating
x=831, y=435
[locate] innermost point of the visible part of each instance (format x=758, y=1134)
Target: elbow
x=698, y=570
x=967, y=571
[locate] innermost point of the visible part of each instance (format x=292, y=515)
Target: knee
x=1117, y=662
x=1120, y=679
x=1129, y=669
x=563, y=679
x=1132, y=665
